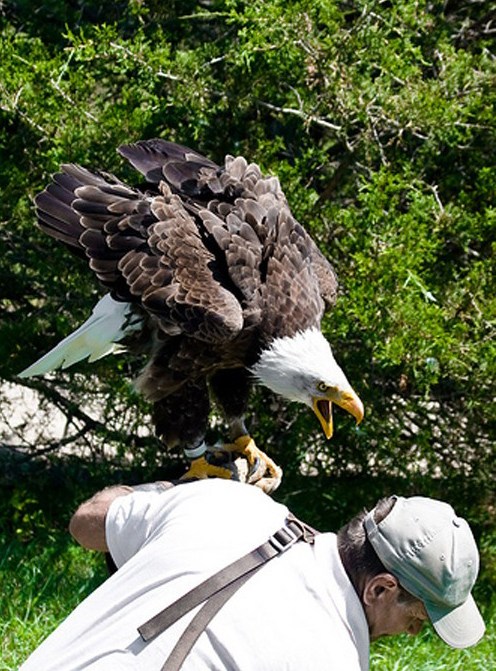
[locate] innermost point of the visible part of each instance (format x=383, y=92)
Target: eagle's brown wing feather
x=327, y=279
x=291, y=293
x=179, y=166
x=147, y=250
x=195, y=297
x=242, y=256
x=237, y=190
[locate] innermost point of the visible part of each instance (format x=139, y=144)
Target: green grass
x=40, y=582
x=426, y=652
x=43, y=579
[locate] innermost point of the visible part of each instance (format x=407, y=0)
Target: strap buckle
x=285, y=537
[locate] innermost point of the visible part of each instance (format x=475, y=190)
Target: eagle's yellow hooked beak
x=348, y=400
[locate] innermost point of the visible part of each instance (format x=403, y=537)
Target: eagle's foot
x=241, y=460
x=262, y=470
x=200, y=469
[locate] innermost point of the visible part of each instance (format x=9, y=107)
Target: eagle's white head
x=303, y=368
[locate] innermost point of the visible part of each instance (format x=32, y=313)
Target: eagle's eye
x=322, y=386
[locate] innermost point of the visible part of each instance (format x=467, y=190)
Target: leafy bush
x=378, y=118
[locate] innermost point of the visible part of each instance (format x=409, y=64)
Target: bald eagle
x=210, y=273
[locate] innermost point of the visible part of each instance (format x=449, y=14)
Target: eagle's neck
x=288, y=363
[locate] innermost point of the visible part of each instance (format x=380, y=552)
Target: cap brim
x=459, y=627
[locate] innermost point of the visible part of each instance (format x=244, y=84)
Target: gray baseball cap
x=433, y=554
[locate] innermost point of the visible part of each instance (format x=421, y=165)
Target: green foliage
x=378, y=117
x=427, y=652
x=41, y=583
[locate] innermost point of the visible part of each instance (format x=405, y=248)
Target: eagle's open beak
x=347, y=400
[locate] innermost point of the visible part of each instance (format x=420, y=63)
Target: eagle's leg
x=181, y=420
x=231, y=388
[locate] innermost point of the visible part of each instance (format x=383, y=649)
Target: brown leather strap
x=197, y=625
x=217, y=589
x=281, y=540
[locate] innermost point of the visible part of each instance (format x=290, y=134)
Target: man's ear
x=382, y=587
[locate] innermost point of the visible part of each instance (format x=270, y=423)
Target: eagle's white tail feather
x=109, y=322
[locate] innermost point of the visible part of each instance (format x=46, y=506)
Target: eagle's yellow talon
x=201, y=469
x=255, y=467
x=245, y=444
x=264, y=472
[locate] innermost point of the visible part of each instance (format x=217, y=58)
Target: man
x=314, y=606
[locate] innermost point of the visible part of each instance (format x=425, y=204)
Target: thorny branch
x=73, y=411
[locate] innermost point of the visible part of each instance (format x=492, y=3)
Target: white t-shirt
x=298, y=613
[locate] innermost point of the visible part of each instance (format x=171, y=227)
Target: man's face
x=402, y=618
x=388, y=612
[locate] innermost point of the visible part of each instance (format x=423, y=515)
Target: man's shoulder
x=226, y=490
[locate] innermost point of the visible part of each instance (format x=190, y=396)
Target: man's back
x=298, y=612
